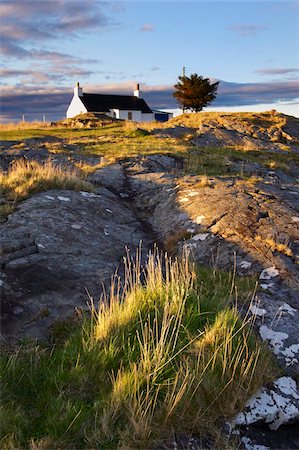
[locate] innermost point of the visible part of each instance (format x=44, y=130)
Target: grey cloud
x=45, y=56
x=28, y=22
x=47, y=18
x=33, y=106
x=37, y=76
x=9, y=48
x=276, y=71
x=237, y=94
x=247, y=30
x=58, y=58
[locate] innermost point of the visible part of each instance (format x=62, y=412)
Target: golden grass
x=25, y=178
x=24, y=125
x=265, y=120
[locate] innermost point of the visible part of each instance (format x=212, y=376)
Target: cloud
x=155, y=68
x=26, y=22
x=147, y=27
x=276, y=71
x=42, y=54
x=34, y=101
x=247, y=30
x=50, y=18
x=236, y=94
x=29, y=76
x=118, y=7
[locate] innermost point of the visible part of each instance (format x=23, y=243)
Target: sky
x=251, y=47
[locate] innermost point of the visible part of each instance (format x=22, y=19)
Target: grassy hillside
x=169, y=350
x=115, y=140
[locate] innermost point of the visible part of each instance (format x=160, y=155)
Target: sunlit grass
x=264, y=120
x=119, y=140
x=23, y=125
x=166, y=353
x=25, y=178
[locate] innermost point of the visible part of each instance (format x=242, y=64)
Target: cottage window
x=130, y=115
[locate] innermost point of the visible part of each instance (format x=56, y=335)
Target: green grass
x=171, y=353
x=219, y=161
x=121, y=140
x=114, y=141
x=63, y=132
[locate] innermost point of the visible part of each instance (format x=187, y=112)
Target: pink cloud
x=147, y=27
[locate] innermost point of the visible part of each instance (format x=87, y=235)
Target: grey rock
x=48, y=264
x=111, y=176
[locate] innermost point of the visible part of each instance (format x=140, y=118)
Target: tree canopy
x=195, y=92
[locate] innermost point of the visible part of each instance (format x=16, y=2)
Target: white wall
x=123, y=114
x=147, y=117
x=76, y=107
x=137, y=116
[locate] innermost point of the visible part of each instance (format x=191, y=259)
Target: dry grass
x=24, y=125
x=265, y=121
x=204, y=181
x=25, y=178
x=5, y=210
x=172, y=239
x=88, y=168
x=147, y=126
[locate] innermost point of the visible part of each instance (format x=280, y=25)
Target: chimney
x=78, y=92
x=137, y=92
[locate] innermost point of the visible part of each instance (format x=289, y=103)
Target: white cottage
x=126, y=107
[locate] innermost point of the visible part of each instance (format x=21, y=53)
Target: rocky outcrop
x=42, y=149
x=57, y=249
x=268, y=131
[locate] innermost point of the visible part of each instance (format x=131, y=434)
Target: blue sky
x=250, y=46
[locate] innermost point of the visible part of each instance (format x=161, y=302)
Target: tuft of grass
x=208, y=162
x=168, y=350
x=172, y=239
x=25, y=178
x=5, y=210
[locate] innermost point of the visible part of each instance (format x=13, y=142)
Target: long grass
x=24, y=125
x=25, y=178
x=167, y=350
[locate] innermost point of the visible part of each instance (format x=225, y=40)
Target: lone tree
x=195, y=92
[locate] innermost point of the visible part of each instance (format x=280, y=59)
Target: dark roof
x=104, y=102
